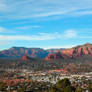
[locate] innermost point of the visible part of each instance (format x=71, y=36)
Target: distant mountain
x=81, y=50
x=74, y=52
x=18, y=52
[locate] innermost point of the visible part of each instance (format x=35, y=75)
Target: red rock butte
x=74, y=52
x=24, y=58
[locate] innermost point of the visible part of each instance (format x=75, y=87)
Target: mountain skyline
x=19, y=52
x=45, y=24
x=50, y=48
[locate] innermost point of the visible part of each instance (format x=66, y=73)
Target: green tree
x=2, y=86
x=63, y=83
x=63, y=86
x=79, y=90
x=90, y=87
x=68, y=89
x=20, y=90
x=53, y=89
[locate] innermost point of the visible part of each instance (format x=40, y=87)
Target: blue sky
x=45, y=23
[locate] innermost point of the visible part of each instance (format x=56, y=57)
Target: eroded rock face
x=57, y=55
x=85, y=49
x=25, y=58
x=18, y=52
x=75, y=52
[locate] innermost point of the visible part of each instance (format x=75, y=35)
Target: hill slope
x=74, y=52
x=18, y=52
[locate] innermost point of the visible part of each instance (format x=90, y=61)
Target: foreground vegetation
x=63, y=85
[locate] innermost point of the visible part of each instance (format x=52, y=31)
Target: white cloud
x=4, y=30
x=81, y=13
x=29, y=9
x=40, y=36
x=28, y=27
x=57, y=47
x=70, y=34
x=5, y=42
x=4, y=8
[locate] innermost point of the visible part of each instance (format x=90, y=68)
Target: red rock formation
x=58, y=55
x=82, y=50
x=18, y=52
x=75, y=52
x=25, y=58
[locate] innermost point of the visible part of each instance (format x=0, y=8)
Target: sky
x=45, y=23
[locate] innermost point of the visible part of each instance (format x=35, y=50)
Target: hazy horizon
x=56, y=47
